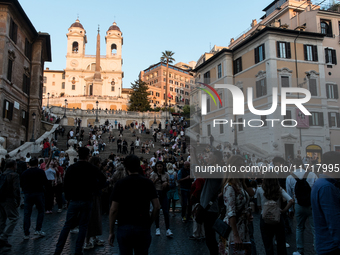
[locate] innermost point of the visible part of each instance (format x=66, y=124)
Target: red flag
x=169, y=95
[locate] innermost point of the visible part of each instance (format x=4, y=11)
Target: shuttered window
x=261, y=88
x=238, y=65
x=312, y=87
x=333, y=119
x=310, y=52
x=330, y=56
x=7, y=110
x=283, y=50
x=316, y=119
x=259, y=54
x=332, y=91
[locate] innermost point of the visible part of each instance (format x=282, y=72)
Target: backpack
x=302, y=190
x=172, y=183
x=3, y=186
x=271, y=212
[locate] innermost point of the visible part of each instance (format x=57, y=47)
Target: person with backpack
x=269, y=199
x=299, y=185
x=173, y=190
x=325, y=200
x=9, y=202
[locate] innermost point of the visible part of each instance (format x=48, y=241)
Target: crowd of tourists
x=129, y=181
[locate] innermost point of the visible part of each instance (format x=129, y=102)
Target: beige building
x=88, y=78
x=180, y=78
x=295, y=45
x=23, y=54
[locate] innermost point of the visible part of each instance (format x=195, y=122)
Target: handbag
x=222, y=228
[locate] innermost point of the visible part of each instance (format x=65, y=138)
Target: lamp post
x=169, y=110
x=97, y=103
x=48, y=99
x=65, y=109
x=33, y=116
x=154, y=107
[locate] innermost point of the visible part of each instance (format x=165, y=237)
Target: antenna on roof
x=77, y=15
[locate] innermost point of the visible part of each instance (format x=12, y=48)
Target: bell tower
x=76, y=40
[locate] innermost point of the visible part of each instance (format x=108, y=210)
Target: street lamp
x=48, y=99
x=65, y=109
x=33, y=116
x=97, y=112
x=154, y=107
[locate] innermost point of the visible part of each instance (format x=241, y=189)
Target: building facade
x=180, y=78
x=88, y=78
x=296, y=44
x=23, y=54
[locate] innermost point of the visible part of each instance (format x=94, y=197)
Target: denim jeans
x=133, y=240
x=38, y=200
x=8, y=211
x=163, y=200
x=302, y=213
x=46, y=152
x=268, y=231
x=185, y=202
x=78, y=211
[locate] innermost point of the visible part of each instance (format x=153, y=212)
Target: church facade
x=88, y=78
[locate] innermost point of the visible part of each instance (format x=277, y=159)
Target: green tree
x=139, y=101
x=168, y=59
x=186, y=110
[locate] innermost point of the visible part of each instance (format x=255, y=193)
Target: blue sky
x=185, y=27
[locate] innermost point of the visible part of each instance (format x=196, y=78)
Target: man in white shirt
x=95, y=153
x=71, y=133
x=303, y=209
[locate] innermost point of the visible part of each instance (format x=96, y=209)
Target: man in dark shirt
x=33, y=182
x=82, y=179
x=9, y=202
x=131, y=198
x=185, y=183
x=119, y=145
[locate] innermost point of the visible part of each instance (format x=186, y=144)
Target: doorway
x=91, y=90
x=289, y=151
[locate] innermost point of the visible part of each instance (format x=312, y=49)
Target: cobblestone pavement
x=179, y=244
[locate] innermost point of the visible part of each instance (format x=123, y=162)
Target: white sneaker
x=287, y=245
x=60, y=210
x=40, y=233
x=74, y=231
x=158, y=232
x=169, y=233
x=88, y=246
x=26, y=237
x=296, y=253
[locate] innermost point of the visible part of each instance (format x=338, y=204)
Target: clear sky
x=186, y=27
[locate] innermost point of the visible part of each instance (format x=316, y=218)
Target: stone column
x=3, y=152
x=71, y=151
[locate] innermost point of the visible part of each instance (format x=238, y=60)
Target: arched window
x=113, y=49
x=75, y=47
x=324, y=28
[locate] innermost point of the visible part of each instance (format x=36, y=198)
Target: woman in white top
x=271, y=191
x=51, y=176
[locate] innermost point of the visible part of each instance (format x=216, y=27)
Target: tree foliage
x=139, y=101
